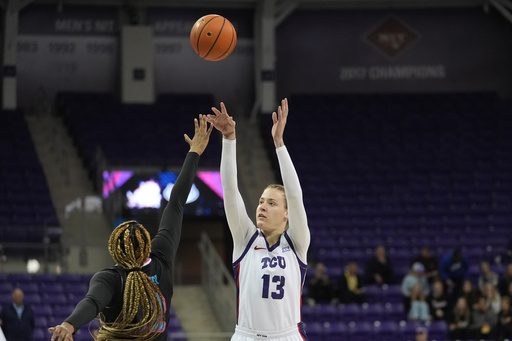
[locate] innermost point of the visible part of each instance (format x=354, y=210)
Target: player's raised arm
x=169, y=233
x=239, y=223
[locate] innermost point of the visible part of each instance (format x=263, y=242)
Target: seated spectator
x=430, y=263
x=415, y=276
x=350, y=286
x=504, y=325
x=505, y=281
x=438, y=301
x=486, y=275
x=459, y=321
x=379, y=269
x=17, y=318
x=483, y=321
x=320, y=288
x=453, y=269
x=469, y=293
x=421, y=334
x=419, y=310
x=492, y=297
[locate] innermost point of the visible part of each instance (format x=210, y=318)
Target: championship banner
x=381, y=51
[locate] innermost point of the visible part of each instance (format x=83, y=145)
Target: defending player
x=133, y=299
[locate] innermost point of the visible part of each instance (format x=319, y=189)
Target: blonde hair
x=279, y=188
x=130, y=246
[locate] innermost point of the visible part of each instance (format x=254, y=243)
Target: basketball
x=213, y=37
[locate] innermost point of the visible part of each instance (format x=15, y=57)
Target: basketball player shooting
x=269, y=258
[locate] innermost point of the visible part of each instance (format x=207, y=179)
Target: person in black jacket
x=133, y=298
x=379, y=269
x=17, y=319
x=350, y=285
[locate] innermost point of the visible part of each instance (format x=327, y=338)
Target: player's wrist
x=68, y=326
x=229, y=136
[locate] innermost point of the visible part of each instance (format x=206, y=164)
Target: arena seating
x=403, y=171
x=26, y=210
x=53, y=298
x=135, y=134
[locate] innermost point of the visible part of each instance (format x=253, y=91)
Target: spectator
x=453, y=269
x=320, y=288
x=438, y=301
x=459, y=320
x=486, y=276
x=421, y=334
x=17, y=319
x=469, y=293
x=430, y=263
x=504, y=325
x=492, y=297
x=415, y=276
x=483, y=325
x=379, y=269
x=505, y=281
x=350, y=284
x=419, y=310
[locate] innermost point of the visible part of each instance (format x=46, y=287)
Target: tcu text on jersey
x=273, y=262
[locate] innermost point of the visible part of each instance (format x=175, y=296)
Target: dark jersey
x=106, y=286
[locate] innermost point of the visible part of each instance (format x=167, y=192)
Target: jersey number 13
x=277, y=292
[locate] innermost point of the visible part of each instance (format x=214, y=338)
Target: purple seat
x=52, y=288
x=327, y=313
x=360, y=331
x=386, y=331
x=40, y=334
x=349, y=313
x=62, y=310
x=71, y=278
x=29, y=287
x=33, y=298
x=373, y=293
x=335, y=331
x=408, y=329
x=315, y=330
x=58, y=299
x=40, y=322
x=43, y=309
x=309, y=313
x=174, y=324
x=74, y=299
x=394, y=311
x=5, y=298
x=391, y=293
x=83, y=334
x=16, y=278
x=6, y=287
x=372, y=312
x=44, y=278
x=76, y=288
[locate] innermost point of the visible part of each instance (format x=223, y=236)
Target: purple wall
x=317, y=51
x=394, y=51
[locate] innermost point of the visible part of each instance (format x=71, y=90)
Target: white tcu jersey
x=269, y=284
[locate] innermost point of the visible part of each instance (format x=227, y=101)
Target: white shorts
x=293, y=333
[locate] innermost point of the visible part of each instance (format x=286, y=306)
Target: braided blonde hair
x=130, y=245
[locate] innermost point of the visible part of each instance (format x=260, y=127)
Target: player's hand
x=223, y=122
x=201, y=135
x=279, y=120
x=62, y=332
